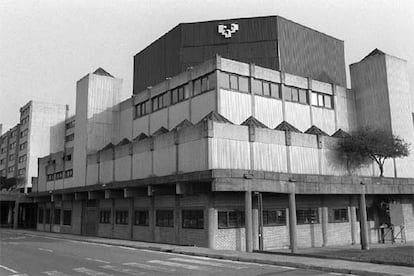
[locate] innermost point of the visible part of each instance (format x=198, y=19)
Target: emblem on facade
x=226, y=30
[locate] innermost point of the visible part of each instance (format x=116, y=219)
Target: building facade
x=232, y=155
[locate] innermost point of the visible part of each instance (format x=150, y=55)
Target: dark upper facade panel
x=271, y=42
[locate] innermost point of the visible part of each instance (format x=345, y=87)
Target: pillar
x=363, y=222
x=255, y=218
x=292, y=222
x=16, y=214
x=212, y=226
x=352, y=211
x=10, y=215
x=324, y=210
x=248, y=221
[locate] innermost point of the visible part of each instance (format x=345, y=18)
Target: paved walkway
x=331, y=265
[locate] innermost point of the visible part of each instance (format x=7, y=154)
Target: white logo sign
x=225, y=31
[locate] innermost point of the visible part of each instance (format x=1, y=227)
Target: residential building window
x=105, y=216
x=13, y=133
x=56, y=217
x=67, y=217
x=293, y=94
x=41, y=214
x=11, y=157
x=180, y=93
x=2, y=172
x=24, y=120
x=266, y=88
x=68, y=173
x=23, y=133
x=230, y=219
x=193, y=219
x=50, y=177
x=70, y=125
x=322, y=100
x=23, y=146
x=68, y=157
x=274, y=217
x=141, y=218
x=338, y=215
x=11, y=169
x=70, y=137
x=164, y=218
x=307, y=216
x=121, y=217
x=21, y=172
x=13, y=145
x=160, y=101
x=234, y=82
x=59, y=175
x=2, y=161
x=204, y=84
x=3, y=150
x=22, y=158
x=47, y=216
x=142, y=109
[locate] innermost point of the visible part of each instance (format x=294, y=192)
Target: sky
x=47, y=45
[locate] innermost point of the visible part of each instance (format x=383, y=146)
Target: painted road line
x=97, y=260
x=127, y=248
x=90, y=272
x=186, y=266
x=8, y=269
x=55, y=273
x=45, y=249
x=123, y=270
x=150, y=267
x=208, y=263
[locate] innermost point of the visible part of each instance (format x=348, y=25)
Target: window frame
x=105, y=216
x=139, y=220
x=191, y=219
x=307, y=216
x=338, y=215
x=277, y=222
x=160, y=219
x=67, y=220
x=121, y=217
x=240, y=219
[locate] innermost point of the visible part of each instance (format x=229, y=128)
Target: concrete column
x=363, y=221
x=324, y=210
x=131, y=218
x=16, y=214
x=152, y=217
x=248, y=220
x=10, y=215
x=292, y=222
x=352, y=211
x=255, y=218
x=212, y=226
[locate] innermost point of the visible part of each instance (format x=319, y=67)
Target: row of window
x=70, y=125
x=59, y=175
x=24, y=120
x=176, y=95
x=24, y=133
x=44, y=216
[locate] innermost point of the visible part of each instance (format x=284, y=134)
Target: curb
x=222, y=256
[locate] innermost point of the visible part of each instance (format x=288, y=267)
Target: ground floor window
x=338, y=215
x=230, y=219
x=141, y=218
x=121, y=217
x=67, y=217
x=193, y=219
x=307, y=216
x=47, y=216
x=105, y=216
x=40, y=218
x=274, y=217
x=165, y=218
x=56, y=218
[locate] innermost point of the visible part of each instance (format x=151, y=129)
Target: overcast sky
x=46, y=46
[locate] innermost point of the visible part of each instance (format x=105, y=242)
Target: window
x=141, y=218
x=303, y=96
x=338, y=215
x=41, y=214
x=121, y=217
x=234, y=82
x=59, y=175
x=224, y=80
x=322, y=100
x=22, y=158
x=13, y=145
x=47, y=216
x=193, y=219
x=67, y=217
x=3, y=150
x=24, y=120
x=204, y=84
x=21, y=172
x=293, y=94
x=70, y=137
x=274, y=217
x=230, y=219
x=23, y=146
x=11, y=169
x=56, y=218
x=67, y=157
x=105, y=216
x=160, y=101
x=11, y=157
x=2, y=172
x=23, y=133
x=50, y=177
x=70, y=125
x=68, y=173
x=180, y=93
x=165, y=218
x=142, y=109
x=309, y=216
x=2, y=161
x=13, y=133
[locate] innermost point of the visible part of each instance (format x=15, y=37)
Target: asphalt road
x=29, y=254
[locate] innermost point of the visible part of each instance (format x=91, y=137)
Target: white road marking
x=45, y=249
x=334, y=273
x=19, y=274
x=90, y=272
x=186, y=266
x=17, y=238
x=123, y=270
x=8, y=269
x=150, y=267
x=97, y=260
x=208, y=263
x=127, y=248
x=55, y=273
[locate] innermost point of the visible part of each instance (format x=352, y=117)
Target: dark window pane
x=233, y=82
x=56, y=216
x=181, y=95
x=275, y=90
x=287, y=93
x=266, y=88
x=166, y=99
x=197, y=87
x=222, y=219
x=154, y=104
x=204, y=84
x=257, y=87
x=67, y=217
x=165, y=218
x=193, y=219
x=295, y=95
x=212, y=79
x=174, y=96
x=303, y=97
x=187, y=91
x=243, y=84
x=224, y=80
x=141, y=218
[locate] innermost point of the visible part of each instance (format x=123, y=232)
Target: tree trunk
x=381, y=168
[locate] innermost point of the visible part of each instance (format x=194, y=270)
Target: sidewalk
x=305, y=262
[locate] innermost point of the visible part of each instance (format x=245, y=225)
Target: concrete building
x=232, y=155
